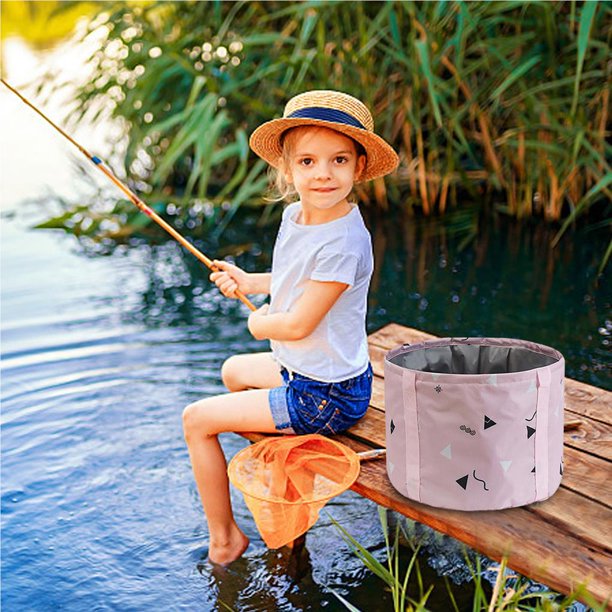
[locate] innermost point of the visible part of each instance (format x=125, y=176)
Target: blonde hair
x=280, y=189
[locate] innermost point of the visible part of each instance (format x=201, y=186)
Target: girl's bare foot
x=224, y=551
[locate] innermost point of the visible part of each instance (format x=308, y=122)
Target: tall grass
x=511, y=592
x=390, y=575
x=505, y=102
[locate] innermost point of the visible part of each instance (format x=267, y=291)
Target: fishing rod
x=147, y=210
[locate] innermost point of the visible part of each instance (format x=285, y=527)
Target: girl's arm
x=302, y=319
x=231, y=277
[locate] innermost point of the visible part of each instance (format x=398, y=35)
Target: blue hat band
x=326, y=114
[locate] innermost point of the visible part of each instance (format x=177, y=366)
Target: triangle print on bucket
x=446, y=452
x=462, y=482
x=488, y=422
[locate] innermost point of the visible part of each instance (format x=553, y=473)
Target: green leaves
x=390, y=575
x=196, y=126
x=586, y=21
x=423, y=52
x=601, y=186
x=510, y=592
x=516, y=74
x=364, y=555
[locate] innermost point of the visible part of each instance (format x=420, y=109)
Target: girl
x=318, y=377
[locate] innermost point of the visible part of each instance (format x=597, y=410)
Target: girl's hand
x=255, y=319
x=229, y=278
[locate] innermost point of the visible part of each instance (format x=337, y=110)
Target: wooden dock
x=562, y=542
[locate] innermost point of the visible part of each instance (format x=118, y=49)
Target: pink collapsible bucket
x=474, y=423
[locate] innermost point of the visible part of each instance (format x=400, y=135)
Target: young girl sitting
x=318, y=378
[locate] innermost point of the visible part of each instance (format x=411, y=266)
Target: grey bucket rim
x=477, y=340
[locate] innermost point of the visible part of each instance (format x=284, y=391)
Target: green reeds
x=511, y=592
x=508, y=100
x=390, y=575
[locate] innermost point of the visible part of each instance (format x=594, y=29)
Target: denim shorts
x=303, y=405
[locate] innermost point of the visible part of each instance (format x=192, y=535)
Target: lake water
x=100, y=354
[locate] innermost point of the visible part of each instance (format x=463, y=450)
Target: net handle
x=372, y=454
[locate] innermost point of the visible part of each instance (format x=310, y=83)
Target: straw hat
x=331, y=109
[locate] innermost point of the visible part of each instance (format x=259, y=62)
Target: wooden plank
x=591, y=437
x=378, y=394
x=377, y=357
x=393, y=335
x=587, y=400
x=578, y=516
x=587, y=475
x=370, y=429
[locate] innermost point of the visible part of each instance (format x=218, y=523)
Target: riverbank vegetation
x=401, y=575
x=502, y=104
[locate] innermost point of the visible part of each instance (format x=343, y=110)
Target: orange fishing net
x=286, y=481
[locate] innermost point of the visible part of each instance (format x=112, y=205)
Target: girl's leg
x=251, y=371
x=202, y=422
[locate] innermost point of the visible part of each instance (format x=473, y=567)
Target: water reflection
x=469, y=275
x=266, y=582
x=495, y=277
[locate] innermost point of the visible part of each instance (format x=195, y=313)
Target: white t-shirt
x=341, y=251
